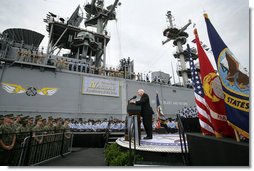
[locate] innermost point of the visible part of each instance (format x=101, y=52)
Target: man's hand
x=133, y=101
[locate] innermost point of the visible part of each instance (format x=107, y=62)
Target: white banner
x=100, y=86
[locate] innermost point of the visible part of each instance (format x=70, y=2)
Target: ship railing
x=35, y=148
x=34, y=64
x=183, y=141
x=133, y=137
x=106, y=134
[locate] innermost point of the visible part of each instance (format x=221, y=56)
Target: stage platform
x=163, y=143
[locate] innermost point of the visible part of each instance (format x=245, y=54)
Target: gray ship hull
x=66, y=94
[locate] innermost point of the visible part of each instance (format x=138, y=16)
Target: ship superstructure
x=76, y=83
x=83, y=44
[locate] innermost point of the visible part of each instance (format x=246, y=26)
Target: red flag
x=213, y=93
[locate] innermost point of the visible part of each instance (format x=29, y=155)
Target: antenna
x=173, y=72
x=179, y=37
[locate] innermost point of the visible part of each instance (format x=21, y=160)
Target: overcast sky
x=137, y=33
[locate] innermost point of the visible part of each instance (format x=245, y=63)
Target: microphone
x=134, y=97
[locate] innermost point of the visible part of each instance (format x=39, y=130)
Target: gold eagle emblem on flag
x=212, y=87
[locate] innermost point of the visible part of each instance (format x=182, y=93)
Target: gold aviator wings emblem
x=47, y=91
x=13, y=88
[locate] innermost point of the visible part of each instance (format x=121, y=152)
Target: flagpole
x=237, y=136
x=173, y=72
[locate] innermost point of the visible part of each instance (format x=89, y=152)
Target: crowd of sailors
x=170, y=125
x=43, y=131
x=64, y=63
x=32, y=56
x=113, y=125
x=22, y=123
x=26, y=140
x=78, y=66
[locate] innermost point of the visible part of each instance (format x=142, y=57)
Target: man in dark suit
x=146, y=112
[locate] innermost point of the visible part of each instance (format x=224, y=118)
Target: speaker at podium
x=133, y=109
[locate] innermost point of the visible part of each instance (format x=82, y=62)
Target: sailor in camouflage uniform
x=37, y=140
x=20, y=128
x=30, y=124
x=67, y=135
x=49, y=128
x=17, y=125
x=59, y=131
x=7, y=139
x=37, y=130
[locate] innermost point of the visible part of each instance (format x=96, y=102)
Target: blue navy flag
x=160, y=116
x=158, y=107
x=203, y=111
x=235, y=82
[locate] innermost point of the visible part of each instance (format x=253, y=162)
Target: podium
x=133, y=118
x=133, y=109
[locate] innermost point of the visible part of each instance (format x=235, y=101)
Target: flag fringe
x=218, y=135
x=239, y=130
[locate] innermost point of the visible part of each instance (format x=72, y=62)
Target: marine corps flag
x=235, y=82
x=213, y=93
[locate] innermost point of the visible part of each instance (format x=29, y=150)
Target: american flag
x=203, y=112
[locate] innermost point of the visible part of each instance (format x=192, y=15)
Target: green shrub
x=116, y=157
